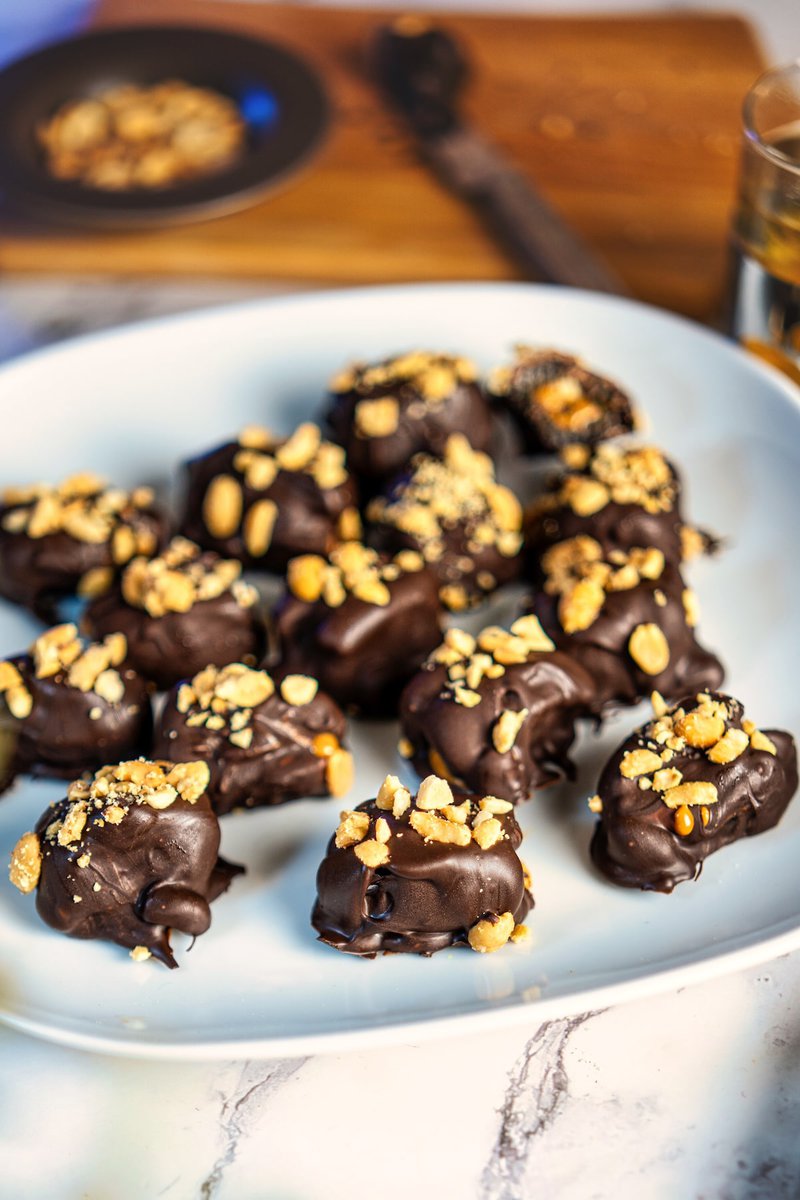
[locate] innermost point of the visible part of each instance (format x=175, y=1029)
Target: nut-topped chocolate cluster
x=181, y=611
x=68, y=707
x=359, y=622
x=622, y=496
x=128, y=856
x=264, y=500
x=627, y=617
x=495, y=713
x=415, y=874
x=384, y=413
x=697, y=777
x=465, y=524
x=266, y=740
x=555, y=400
x=71, y=539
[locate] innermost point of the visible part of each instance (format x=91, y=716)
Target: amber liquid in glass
x=766, y=253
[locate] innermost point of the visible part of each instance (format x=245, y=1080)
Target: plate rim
x=487, y=1020
x=519, y=1011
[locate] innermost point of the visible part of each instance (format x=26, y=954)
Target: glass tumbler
x=765, y=302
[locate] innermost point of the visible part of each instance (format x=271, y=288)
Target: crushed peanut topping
x=506, y=728
x=706, y=730
x=181, y=577
x=691, y=607
x=459, y=492
x=491, y=932
x=427, y=376
x=732, y=743
x=256, y=463
x=469, y=660
x=578, y=573
x=760, y=741
x=693, y=543
x=339, y=772
x=352, y=829
x=649, y=648
x=612, y=474
x=26, y=863
x=108, y=797
x=352, y=569
x=694, y=793
x=433, y=813
x=376, y=418
x=372, y=853
x=85, y=509
x=298, y=690
x=639, y=762
x=61, y=651
x=223, y=698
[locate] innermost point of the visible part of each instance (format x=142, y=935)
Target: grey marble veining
x=537, y=1092
x=239, y=1109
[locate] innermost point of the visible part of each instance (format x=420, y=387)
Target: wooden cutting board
x=628, y=125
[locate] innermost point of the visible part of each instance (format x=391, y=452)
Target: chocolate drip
x=156, y=869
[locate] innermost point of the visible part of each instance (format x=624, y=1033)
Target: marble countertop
x=693, y=1094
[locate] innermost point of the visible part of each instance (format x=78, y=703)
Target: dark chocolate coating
x=179, y=644
x=59, y=739
x=157, y=870
x=460, y=565
x=422, y=428
x=306, y=521
x=539, y=433
x=424, y=899
x=635, y=843
x=603, y=648
x=279, y=765
x=614, y=526
x=362, y=654
x=555, y=690
x=39, y=573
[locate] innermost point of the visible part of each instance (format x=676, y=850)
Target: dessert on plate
x=465, y=525
x=414, y=874
x=695, y=778
x=179, y=612
x=555, y=400
x=360, y=623
x=621, y=496
x=127, y=857
x=384, y=413
x=495, y=714
x=627, y=617
x=264, y=500
x=72, y=539
x=67, y=707
x=266, y=739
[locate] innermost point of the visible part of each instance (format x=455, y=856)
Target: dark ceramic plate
x=281, y=100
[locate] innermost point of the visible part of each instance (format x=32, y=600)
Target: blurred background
x=594, y=147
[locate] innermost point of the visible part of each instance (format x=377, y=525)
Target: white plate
x=132, y=403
